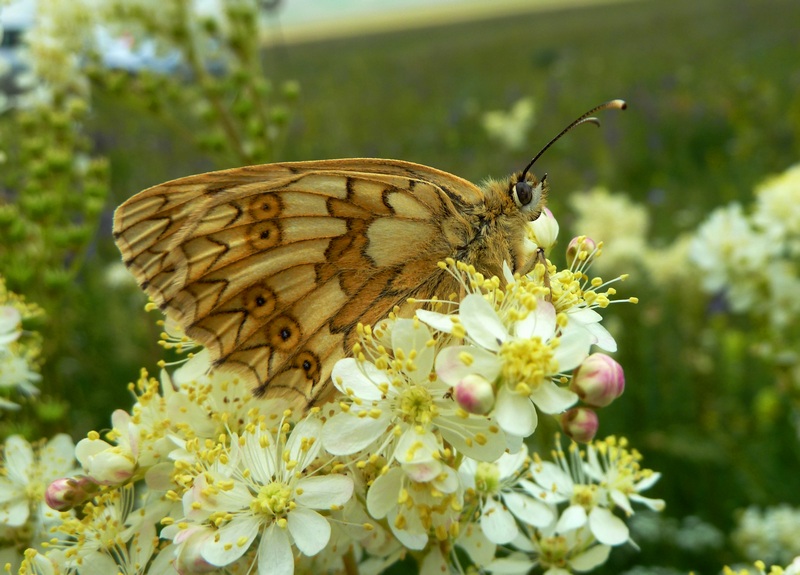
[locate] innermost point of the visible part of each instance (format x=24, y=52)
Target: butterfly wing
x=271, y=267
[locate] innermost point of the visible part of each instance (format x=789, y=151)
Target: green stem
x=206, y=84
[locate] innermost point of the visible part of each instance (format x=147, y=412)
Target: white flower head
x=556, y=552
x=26, y=473
x=263, y=487
x=396, y=405
x=728, y=250
x=777, y=208
x=518, y=344
x=499, y=497
x=116, y=534
x=592, y=484
x=417, y=510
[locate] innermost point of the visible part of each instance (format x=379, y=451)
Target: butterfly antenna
x=583, y=119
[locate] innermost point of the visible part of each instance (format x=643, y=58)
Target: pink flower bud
x=69, y=492
x=580, y=424
x=475, y=394
x=599, y=380
x=580, y=245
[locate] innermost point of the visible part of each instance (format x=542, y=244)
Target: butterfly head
x=525, y=189
x=529, y=193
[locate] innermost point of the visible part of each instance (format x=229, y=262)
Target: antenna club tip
x=618, y=104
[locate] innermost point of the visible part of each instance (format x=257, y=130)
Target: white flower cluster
x=751, y=258
x=26, y=471
x=422, y=454
x=769, y=534
x=624, y=226
x=511, y=128
x=19, y=349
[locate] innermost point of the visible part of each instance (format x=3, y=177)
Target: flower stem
x=349, y=560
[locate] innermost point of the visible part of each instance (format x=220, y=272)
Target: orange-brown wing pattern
x=271, y=267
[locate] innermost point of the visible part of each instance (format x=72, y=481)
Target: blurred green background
x=713, y=88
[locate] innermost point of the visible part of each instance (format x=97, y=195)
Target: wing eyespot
x=264, y=206
x=259, y=301
x=308, y=362
x=284, y=333
x=264, y=235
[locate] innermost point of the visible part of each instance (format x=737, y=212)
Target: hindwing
x=271, y=267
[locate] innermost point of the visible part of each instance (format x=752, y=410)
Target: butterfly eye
x=523, y=193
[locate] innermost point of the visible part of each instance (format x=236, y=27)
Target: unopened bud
x=582, y=249
x=545, y=229
x=580, y=424
x=69, y=492
x=475, y=394
x=599, y=380
x=106, y=464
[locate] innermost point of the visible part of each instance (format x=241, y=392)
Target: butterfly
x=272, y=267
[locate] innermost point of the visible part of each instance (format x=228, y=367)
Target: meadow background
x=713, y=88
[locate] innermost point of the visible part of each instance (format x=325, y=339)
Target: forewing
x=271, y=267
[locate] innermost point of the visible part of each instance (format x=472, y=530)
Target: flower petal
x=481, y=322
x=434, y=563
x=452, y=369
x=571, y=518
x=422, y=472
x=383, y=493
x=97, y=563
x=590, y=558
x=232, y=541
x=553, y=484
x=56, y=459
x=654, y=504
x=310, y=530
x=346, y=433
x=476, y=437
x=324, y=492
x=540, y=323
x=603, y=338
x=410, y=335
x=607, y=527
x=275, y=552
x=515, y=414
x=438, y=321
x=530, y=510
x=300, y=449
x=477, y=546
x=553, y=399
x=574, y=346
x=15, y=513
x=497, y=523
x=509, y=463
x=514, y=564
x=416, y=540
x=416, y=447
x=360, y=379
x=18, y=455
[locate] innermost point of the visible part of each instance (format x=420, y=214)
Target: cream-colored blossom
x=618, y=222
